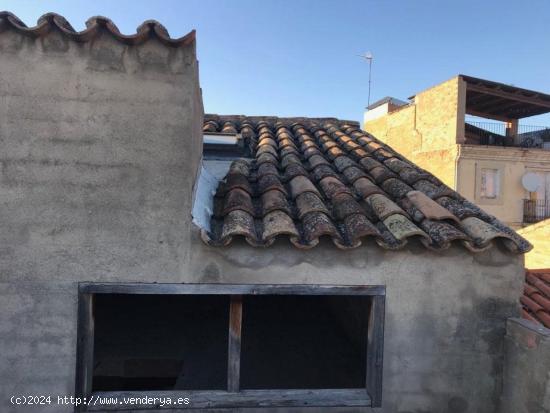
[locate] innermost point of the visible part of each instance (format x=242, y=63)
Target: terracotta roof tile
x=94, y=27
x=313, y=177
x=536, y=296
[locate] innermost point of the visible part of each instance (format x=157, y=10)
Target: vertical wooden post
x=84, y=348
x=375, y=349
x=234, y=346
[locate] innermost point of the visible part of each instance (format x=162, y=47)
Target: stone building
x=466, y=131
x=128, y=257
x=538, y=235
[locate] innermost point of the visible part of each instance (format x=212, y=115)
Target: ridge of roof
x=94, y=26
x=316, y=177
x=289, y=120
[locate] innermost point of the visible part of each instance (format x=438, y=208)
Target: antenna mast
x=368, y=56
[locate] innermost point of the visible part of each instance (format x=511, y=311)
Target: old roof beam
x=509, y=95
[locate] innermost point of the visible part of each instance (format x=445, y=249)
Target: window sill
x=206, y=399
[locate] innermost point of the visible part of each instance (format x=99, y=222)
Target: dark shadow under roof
x=501, y=101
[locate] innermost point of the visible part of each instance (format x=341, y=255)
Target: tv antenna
x=368, y=57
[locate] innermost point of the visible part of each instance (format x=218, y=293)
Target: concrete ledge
x=526, y=378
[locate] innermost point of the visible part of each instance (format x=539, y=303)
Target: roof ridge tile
x=94, y=25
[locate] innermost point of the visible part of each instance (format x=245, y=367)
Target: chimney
x=101, y=137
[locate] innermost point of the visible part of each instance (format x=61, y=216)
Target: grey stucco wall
x=527, y=368
x=100, y=147
x=100, y=143
x=445, y=318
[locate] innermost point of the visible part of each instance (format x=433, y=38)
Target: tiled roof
x=310, y=178
x=94, y=26
x=536, y=296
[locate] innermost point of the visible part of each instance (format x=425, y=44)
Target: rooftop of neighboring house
x=387, y=99
x=500, y=100
x=309, y=178
x=536, y=296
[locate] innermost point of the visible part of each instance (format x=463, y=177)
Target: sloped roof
x=94, y=26
x=536, y=297
x=315, y=177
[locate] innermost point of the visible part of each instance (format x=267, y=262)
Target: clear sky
x=299, y=57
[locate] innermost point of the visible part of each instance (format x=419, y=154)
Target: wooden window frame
x=233, y=397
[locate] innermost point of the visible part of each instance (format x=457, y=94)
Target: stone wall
x=526, y=380
x=427, y=130
x=512, y=163
x=539, y=235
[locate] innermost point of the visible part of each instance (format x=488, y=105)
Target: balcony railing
x=535, y=210
x=492, y=133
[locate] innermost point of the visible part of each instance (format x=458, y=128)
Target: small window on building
x=490, y=183
x=235, y=345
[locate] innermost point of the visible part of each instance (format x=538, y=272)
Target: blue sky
x=299, y=57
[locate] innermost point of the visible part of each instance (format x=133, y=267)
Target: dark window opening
x=304, y=342
x=160, y=342
x=229, y=345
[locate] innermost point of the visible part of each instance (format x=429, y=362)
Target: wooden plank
x=84, y=348
x=500, y=107
x=486, y=115
x=375, y=350
x=231, y=289
x=234, y=345
x=222, y=399
x=508, y=95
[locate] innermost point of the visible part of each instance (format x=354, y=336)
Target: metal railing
x=535, y=210
x=493, y=133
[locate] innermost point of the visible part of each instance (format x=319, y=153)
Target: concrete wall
x=539, y=235
x=444, y=322
x=527, y=382
x=100, y=146
x=95, y=138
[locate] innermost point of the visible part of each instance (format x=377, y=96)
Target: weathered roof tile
x=311, y=178
x=95, y=26
x=536, y=296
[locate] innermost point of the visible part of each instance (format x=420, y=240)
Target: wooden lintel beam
x=234, y=346
x=508, y=95
x=375, y=349
x=219, y=399
x=493, y=107
x=487, y=115
x=84, y=349
x=481, y=99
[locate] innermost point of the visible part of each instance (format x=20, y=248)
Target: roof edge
x=149, y=29
x=272, y=119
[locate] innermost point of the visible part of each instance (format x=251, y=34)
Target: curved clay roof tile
x=94, y=25
x=379, y=194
